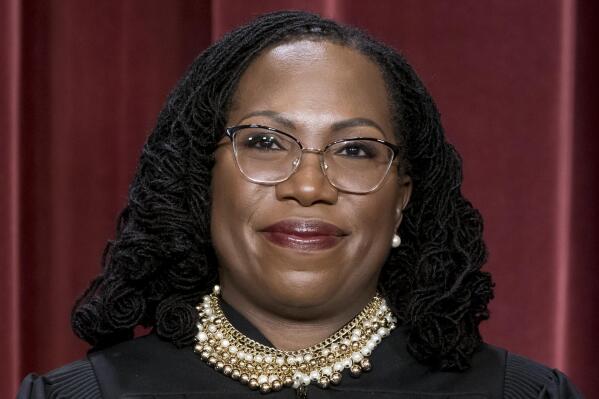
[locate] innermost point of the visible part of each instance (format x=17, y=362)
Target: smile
x=304, y=235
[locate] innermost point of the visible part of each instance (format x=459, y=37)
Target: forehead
x=313, y=83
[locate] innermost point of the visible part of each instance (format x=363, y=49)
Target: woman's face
x=318, y=92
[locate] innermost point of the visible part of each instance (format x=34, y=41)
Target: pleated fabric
x=75, y=380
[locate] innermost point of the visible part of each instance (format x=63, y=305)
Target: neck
x=299, y=329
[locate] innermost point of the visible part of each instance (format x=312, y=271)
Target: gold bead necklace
x=268, y=369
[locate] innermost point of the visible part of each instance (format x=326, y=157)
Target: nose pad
x=323, y=166
x=307, y=185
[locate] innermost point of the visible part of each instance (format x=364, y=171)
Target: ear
x=405, y=191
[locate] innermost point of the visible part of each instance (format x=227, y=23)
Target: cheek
x=234, y=201
x=377, y=216
x=375, y=221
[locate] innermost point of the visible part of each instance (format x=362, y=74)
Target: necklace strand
x=267, y=369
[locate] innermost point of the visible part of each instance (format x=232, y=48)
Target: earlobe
x=398, y=217
x=404, y=198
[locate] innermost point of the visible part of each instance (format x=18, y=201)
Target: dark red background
x=516, y=83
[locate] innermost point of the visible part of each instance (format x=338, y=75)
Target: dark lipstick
x=304, y=235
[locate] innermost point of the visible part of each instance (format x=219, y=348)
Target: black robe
x=150, y=368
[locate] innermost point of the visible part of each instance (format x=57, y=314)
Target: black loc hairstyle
x=162, y=261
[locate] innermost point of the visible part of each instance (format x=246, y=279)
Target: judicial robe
x=150, y=368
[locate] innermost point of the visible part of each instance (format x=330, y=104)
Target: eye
x=263, y=142
x=357, y=149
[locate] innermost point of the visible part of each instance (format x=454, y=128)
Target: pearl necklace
x=268, y=369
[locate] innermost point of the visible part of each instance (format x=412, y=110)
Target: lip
x=304, y=235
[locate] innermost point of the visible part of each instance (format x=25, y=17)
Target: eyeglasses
x=266, y=155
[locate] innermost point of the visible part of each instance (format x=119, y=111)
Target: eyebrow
x=354, y=122
x=275, y=116
x=339, y=125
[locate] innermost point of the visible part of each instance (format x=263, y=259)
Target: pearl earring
x=396, y=242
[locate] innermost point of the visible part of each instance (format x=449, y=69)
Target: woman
x=301, y=166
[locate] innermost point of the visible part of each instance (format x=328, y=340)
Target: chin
x=300, y=290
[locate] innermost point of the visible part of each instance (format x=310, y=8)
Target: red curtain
x=516, y=82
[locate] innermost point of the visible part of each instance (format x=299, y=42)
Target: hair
x=161, y=261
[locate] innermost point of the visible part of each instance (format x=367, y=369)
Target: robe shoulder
x=525, y=378
x=75, y=380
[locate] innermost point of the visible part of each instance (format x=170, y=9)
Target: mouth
x=304, y=235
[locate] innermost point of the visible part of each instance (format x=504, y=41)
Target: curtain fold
x=10, y=210
x=82, y=83
x=582, y=320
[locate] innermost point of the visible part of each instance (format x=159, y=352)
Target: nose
x=308, y=185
